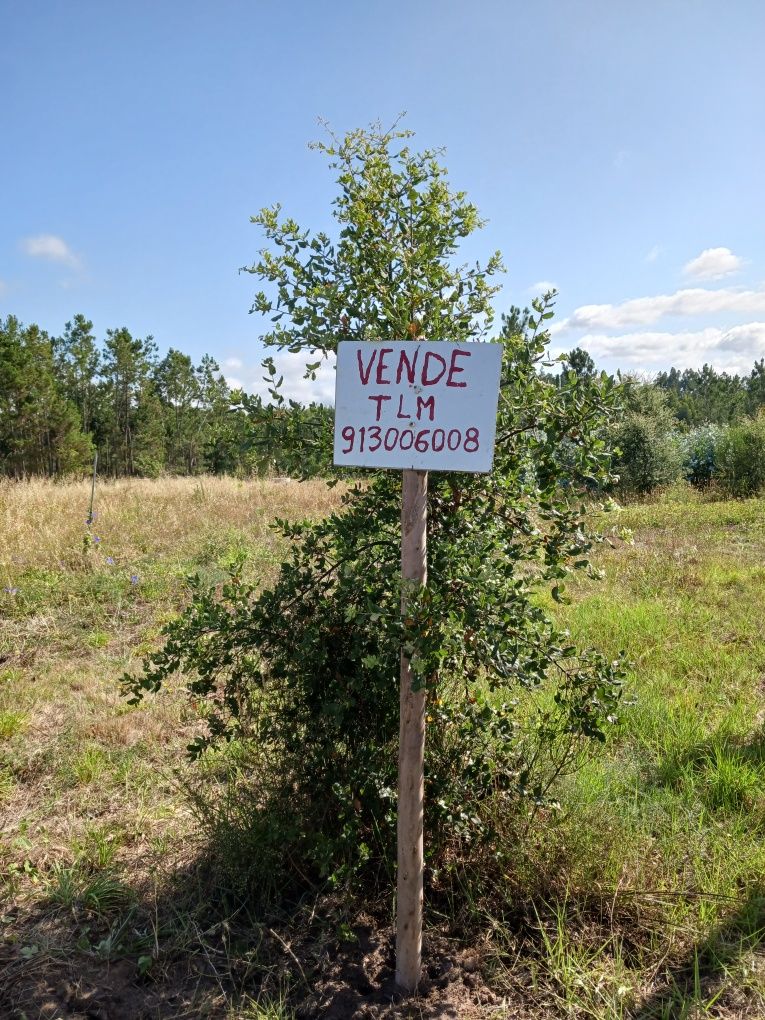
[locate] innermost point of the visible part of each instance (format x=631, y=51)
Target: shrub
x=646, y=456
x=303, y=675
x=741, y=458
x=699, y=449
x=646, y=449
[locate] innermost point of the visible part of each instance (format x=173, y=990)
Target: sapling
x=301, y=676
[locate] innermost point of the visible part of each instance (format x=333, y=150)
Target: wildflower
x=96, y=539
x=11, y=591
x=134, y=578
x=110, y=561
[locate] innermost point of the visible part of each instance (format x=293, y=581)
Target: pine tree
x=127, y=365
x=39, y=428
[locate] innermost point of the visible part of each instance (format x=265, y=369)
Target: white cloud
x=748, y=338
x=542, y=287
x=51, y=247
x=636, y=347
x=292, y=367
x=653, y=254
x=713, y=264
x=647, y=310
x=732, y=350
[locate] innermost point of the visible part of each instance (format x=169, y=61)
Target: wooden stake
x=411, y=756
x=93, y=487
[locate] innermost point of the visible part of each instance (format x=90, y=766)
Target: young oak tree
x=302, y=675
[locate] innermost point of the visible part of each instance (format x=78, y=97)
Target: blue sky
x=616, y=148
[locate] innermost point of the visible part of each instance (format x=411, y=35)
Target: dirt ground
x=353, y=981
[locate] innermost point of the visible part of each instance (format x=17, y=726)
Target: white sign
x=416, y=405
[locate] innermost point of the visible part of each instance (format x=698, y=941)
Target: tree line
x=697, y=425
x=64, y=399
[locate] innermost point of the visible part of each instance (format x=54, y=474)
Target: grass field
x=644, y=897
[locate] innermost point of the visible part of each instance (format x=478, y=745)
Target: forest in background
x=64, y=398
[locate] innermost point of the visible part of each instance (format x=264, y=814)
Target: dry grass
x=43, y=522
x=89, y=788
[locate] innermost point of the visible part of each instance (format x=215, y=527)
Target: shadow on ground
x=184, y=946
x=702, y=980
x=702, y=983
x=183, y=951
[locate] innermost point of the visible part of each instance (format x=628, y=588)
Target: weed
x=729, y=784
x=265, y=1008
x=11, y=723
x=100, y=893
x=87, y=766
x=97, y=639
x=588, y=975
x=97, y=847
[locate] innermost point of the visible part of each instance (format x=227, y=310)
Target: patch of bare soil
x=223, y=971
x=359, y=984
x=355, y=980
x=82, y=990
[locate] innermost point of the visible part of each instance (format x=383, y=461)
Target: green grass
x=641, y=898
x=668, y=826
x=11, y=723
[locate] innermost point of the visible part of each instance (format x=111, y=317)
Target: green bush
x=304, y=675
x=741, y=458
x=699, y=449
x=647, y=453
x=647, y=456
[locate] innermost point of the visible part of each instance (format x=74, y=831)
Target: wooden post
x=93, y=487
x=411, y=759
